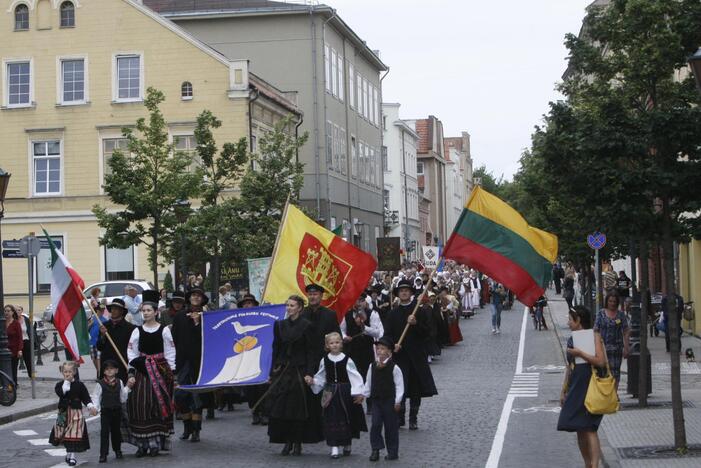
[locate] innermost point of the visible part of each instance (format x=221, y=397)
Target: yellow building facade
x=74, y=73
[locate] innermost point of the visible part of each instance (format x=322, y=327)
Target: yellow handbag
x=602, y=397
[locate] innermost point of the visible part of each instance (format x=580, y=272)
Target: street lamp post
x=5, y=356
x=182, y=212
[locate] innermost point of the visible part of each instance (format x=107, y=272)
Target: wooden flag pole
x=275, y=248
x=418, y=302
x=109, y=338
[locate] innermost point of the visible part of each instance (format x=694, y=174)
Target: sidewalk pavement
x=46, y=377
x=638, y=437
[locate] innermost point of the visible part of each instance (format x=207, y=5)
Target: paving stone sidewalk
x=634, y=431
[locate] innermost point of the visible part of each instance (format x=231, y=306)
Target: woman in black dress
x=574, y=416
x=295, y=416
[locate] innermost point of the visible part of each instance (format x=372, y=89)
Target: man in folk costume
x=380, y=303
x=177, y=303
x=254, y=393
x=475, y=290
x=360, y=328
x=187, y=335
x=120, y=331
x=323, y=321
x=411, y=354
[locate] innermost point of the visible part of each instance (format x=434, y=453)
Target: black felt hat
x=178, y=296
x=314, y=287
x=110, y=363
x=199, y=291
x=405, y=283
x=118, y=303
x=248, y=298
x=150, y=296
x=385, y=341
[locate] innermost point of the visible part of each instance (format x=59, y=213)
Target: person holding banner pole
x=254, y=393
x=114, y=338
x=409, y=330
x=295, y=416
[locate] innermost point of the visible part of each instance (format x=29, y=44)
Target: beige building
x=74, y=73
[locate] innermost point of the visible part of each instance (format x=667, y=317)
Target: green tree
x=168, y=282
x=144, y=184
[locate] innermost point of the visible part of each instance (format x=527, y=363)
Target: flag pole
x=275, y=248
x=107, y=334
x=419, y=301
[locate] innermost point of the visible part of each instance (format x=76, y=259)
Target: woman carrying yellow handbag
x=574, y=416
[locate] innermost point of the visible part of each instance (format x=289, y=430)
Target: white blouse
x=374, y=329
x=356, y=380
x=168, y=344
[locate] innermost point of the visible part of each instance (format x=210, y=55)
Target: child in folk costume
x=109, y=395
x=70, y=429
x=385, y=385
x=342, y=397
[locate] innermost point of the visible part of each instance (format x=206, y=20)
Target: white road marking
x=59, y=452
x=26, y=432
x=39, y=441
x=92, y=418
x=498, y=442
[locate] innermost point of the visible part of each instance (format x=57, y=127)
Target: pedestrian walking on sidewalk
x=574, y=416
x=612, y=324
x=14, y=338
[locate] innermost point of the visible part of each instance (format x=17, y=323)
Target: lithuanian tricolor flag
x=307, y=253
x=493, y=238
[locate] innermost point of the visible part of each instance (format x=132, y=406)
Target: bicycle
x=8, y=390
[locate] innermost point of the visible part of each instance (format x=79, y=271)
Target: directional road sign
x=597, y=240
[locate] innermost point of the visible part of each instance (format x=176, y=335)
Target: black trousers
x=383, y=415
x=110, y=428
x=15, y=365
x=558, y=286
x=27, y=357
x=414, y=405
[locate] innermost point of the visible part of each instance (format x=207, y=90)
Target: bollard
x=56, y=358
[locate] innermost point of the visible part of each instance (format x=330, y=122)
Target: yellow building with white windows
x=74, y=73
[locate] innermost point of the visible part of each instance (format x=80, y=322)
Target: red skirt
x=454, y=332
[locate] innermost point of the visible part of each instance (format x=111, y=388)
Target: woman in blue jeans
x=497, y=293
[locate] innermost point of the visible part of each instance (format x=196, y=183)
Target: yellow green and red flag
x=493, y=238
x=308, y=253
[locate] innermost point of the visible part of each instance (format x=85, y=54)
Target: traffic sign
x=9, y=253
x=30, y=246
x=597, y=240
x=11, y=244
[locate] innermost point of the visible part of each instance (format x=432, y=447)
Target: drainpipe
x=299, y=124
x=406, y=201
x=382, y=143
x=328, y=190
x=349, y=154
x=315, y=95
x=250, y=119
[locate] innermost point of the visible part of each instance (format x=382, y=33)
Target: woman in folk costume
x=475, y=290
x=151, y=355
x=465, y=297
x=70, y=429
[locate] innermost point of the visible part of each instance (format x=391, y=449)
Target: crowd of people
x=325, y=376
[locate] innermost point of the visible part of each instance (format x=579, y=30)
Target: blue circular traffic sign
x=597, y=240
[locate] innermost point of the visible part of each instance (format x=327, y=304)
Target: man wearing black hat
x=120, y=331
x=176, y=304
x=323, y=319
x=187, y=335
x=411, y=354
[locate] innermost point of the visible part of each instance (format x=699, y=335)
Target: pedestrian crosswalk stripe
x=39, y=441
x=60, y=452
x=26, y=432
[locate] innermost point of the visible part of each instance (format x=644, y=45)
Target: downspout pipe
x=382, y=144
x=318, y=162
x=315, y=97
x=250, y=118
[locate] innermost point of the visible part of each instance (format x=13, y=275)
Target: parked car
x=109, y=290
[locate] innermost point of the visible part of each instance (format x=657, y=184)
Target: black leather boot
x=286, y=449
x=187, y=429
x=297, y=449
x=196, y=428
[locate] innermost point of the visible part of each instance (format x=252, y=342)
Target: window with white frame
x=21, y=17
x=46, y=160
x=351, y=86
x=188, y=145
x=73, y=81
x=19, y=84
x=354, y=157
x=340, y=79
x=419, y=168
x=342, y=147
x=186, y=91
x=327, y=67
x=67, y=15
x=109, y=146
x=119, y=264
x=329, y=143
x=375, y=109
x=334, y=72
x=385, y=163
x=336, y=149
x=359, y=93
x=361, y=161
x=43, y=264
x=128, y=80
x=367, y=99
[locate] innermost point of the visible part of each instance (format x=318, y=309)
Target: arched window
x=21, y=17
x=186, y=90
x=67, y=15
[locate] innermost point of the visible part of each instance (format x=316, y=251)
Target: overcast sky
x=486, y=67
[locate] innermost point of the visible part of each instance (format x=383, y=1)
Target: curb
x=609, y=459
x=26, y=413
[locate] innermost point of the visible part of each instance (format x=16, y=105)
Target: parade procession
x=261, y=233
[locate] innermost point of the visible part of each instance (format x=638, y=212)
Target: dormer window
x=186, y=91
x=67, y=15
x=21, y=18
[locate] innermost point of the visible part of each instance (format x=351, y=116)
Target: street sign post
x=29, y=247
x=597, y=241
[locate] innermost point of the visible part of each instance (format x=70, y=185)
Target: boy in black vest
x=385, y=385
x=108, y=397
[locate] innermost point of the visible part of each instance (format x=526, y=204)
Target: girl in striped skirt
x=151, y=353
x=70, y=429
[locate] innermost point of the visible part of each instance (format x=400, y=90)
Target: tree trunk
x=644, y=311
x=673, y=328
x=154, y=257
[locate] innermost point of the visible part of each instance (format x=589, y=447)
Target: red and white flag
x=67, y=298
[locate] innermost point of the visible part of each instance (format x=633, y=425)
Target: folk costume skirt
x=574, y=415
x=294, y=411
x=343, y=419
x=72, y=433
x=150, y=405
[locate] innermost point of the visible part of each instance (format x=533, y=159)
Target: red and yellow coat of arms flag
x=307, y=253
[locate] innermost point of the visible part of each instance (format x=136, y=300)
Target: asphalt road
x=497, y=406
